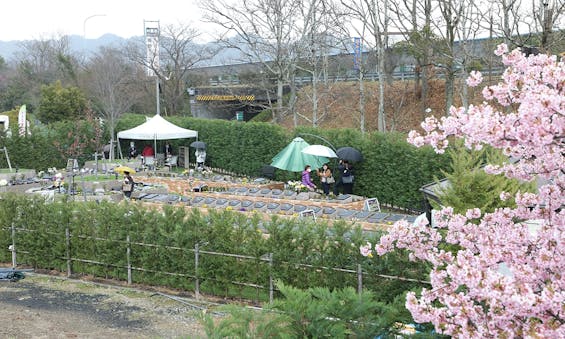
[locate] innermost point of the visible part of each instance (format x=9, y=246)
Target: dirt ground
x=43, y=306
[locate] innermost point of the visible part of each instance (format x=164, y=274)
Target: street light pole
x=84, y=29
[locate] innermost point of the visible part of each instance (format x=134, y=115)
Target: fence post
x=128, y=257
x=13, y=247
x=68, y=249
x=197, y=282
x=359, y=279
x=271, y=287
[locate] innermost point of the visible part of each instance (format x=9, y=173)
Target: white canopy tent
x=157, y=128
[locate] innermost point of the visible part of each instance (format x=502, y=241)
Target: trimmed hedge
x=164, y=240
x=392, y=171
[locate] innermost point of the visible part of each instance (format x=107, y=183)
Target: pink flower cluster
x=503, y=274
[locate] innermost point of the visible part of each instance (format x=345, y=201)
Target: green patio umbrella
x=292, y=159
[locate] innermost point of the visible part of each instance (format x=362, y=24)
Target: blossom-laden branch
x=500, y=273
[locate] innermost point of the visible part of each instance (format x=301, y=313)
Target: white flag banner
x=22, y=120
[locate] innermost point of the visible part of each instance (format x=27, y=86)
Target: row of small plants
x=162, y=242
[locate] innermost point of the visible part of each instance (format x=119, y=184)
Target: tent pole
x=119, y=149
x=155, y=151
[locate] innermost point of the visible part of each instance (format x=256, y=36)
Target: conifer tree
x=470, y=186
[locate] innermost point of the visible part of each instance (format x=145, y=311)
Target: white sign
x=152, y=48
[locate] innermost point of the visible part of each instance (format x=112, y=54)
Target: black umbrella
x=198, y=144
x=349, y=154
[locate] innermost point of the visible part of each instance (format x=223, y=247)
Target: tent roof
x=157, y=128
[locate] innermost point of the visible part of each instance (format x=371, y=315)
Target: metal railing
x=369, y=76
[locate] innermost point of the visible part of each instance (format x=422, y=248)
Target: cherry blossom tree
x=500, y=273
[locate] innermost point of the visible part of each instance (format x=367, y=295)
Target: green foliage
x=470, y=186
x=266, y=115
x=246, y=323
x=319, y=312
x=239, y=147
x=311, y=313
x=35, y=151
x=59, y=103
x=162, y=245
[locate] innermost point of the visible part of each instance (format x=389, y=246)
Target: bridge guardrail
x=372, y=76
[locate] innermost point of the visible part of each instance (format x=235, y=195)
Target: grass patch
x=13, y=171
x=99, y=177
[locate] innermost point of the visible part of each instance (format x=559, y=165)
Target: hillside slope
x=338, y=107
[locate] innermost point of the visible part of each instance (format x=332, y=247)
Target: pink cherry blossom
x=475, y=78
x=504, y=275
x=366, y=250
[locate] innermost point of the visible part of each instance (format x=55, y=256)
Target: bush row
x=162, y=242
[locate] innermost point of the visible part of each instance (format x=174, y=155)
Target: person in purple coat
x=306, y=181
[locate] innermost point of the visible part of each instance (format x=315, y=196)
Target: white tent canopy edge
x=157, y=128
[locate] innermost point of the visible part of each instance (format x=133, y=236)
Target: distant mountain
x=77, y=44
x=89, y=46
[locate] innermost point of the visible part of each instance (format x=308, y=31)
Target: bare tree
x=413, y=17
x=319, y=37
x=42, y=62
x=178, y=54
x=374, y=18
x=111, y=80
x=547, y=13
x=262, y=31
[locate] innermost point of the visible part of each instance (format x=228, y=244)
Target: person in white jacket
x=200, y=158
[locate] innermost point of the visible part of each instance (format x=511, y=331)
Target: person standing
x=200, y=154
x=306, y=181
x=106, y=150
x=128, y=184
x=347, y=178
x=168, y=150
x=132, y=151
x=339, y=182
x=326, y=178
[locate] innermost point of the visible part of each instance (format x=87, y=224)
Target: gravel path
x=51, y=307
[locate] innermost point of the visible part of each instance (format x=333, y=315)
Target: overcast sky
x=35, y=19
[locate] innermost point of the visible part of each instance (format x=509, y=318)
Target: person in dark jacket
x=128, y=184
x=347, y=178
x=338, y=182
x=168, y=150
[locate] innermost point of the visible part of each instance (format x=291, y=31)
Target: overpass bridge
x=230, y=102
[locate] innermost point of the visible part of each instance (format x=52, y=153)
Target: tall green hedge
x=392, y=171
